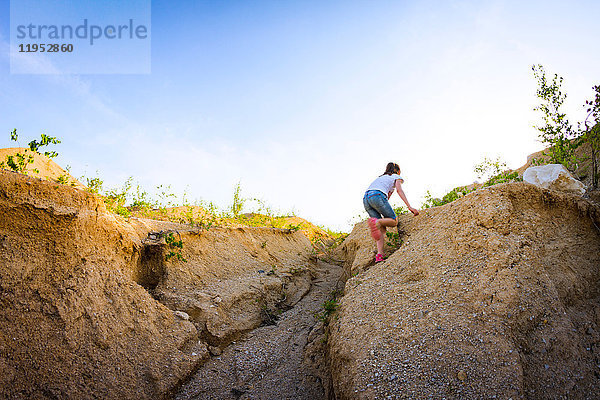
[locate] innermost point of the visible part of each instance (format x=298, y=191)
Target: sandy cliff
x=85, y=294
x=493, y=295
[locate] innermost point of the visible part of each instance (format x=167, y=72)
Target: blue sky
x=305, y=102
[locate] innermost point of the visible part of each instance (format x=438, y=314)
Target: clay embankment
x=495, y=295
x=79, y=315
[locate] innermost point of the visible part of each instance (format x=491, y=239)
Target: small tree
x=557, y=132
x=591, y=133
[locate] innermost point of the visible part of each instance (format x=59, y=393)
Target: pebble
x=182, y=315
x=214, y=350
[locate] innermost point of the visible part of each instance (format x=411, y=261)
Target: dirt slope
x=85, y=295
x=495, y=295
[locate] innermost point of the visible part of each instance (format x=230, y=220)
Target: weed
x=141, y=200
x=273, y=270
x=293, y=227
x=393, y=239
x=329, y=307
x=175, y=245
x=165, y=195
x=297, y=270
x=189, y=215
x=238, y=201
x=206, y=224
x=270, y=316
x=401, y=210
x=452, y=195
x=489, y=167
x=94, y=185
x=503, y=177
x=116, y=198
x=64, y=180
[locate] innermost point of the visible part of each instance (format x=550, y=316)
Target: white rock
x=553, y=176
x=182, y=315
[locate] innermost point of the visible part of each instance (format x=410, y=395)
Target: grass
x=130, y=200
x=329, y=307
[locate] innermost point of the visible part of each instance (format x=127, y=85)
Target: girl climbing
x=379, y=209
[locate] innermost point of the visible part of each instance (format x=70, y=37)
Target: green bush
x=20, y=161
x=175, y=247
x=449, y=197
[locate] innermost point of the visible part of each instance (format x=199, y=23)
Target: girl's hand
x=414, y=211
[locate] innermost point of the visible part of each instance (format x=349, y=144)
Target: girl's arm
x=403, y=197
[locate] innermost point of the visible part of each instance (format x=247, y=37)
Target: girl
x=379, y=209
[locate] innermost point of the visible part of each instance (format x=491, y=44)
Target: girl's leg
x=377, y=205
x=380, y=245
x=382, y=224
x=387, y=222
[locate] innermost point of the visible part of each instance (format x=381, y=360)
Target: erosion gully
x=285, y=360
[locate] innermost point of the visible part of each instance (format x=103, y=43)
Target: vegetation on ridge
x=19, y=162
x=556, y=132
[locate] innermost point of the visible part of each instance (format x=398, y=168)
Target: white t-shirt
x=385, y=183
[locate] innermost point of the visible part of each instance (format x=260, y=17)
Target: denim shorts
x=377, y=205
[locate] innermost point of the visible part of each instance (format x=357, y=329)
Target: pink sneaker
x=379, y=258
x=375, y=232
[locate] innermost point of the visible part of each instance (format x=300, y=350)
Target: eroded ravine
x=281, y=361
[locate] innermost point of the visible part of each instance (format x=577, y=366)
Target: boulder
x=555, y=177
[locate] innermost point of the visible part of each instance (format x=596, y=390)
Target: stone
x=555, y=177
x=184, y=316
x=214, y=350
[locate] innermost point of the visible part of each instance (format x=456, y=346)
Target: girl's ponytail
x=392, y=168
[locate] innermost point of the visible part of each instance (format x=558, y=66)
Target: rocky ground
x=284, y=360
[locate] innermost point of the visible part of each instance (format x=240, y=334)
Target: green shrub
x=175, y=247
x=393, y=239
x=449, y=197
x=20, y=161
